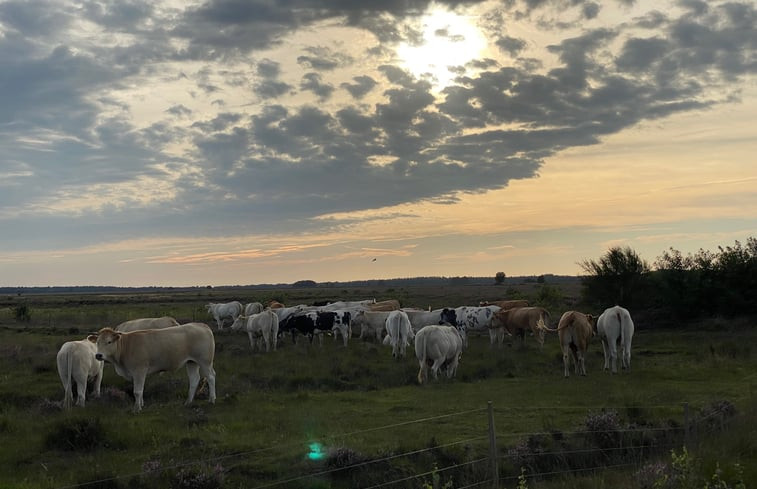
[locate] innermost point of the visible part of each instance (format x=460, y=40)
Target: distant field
x=375, y=426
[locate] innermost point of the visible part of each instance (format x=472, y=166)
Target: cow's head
x=448, y=316
x=107, y=344
x=593, y=322
x=240, y=321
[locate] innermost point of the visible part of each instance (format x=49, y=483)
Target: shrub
x=22, y=313
x=200, y=478
x=70, y=435
x=603, y=429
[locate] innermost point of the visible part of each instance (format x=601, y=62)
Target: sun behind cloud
x=448, y=40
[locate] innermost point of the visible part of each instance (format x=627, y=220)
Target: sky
x=232, y=142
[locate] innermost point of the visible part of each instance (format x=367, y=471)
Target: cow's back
x=146, y=323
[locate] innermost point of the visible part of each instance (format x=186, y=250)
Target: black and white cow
x=317, y=323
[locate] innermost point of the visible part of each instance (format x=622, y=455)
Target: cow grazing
x=372, y=323
x=263, y=325
x=517, y=321
x=575, y=330
x=614, y=327
x=146, y=323
x=508, y=304
x=274, y=304
x=398, y=333
x=137, y=354
x=437, y=346
x=221, y=311
x=387, y=305
x=77, y=364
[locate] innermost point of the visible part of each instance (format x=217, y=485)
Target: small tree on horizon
x=499, y=278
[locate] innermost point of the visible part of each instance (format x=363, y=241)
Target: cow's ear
x=92, y=338
x=116, y=336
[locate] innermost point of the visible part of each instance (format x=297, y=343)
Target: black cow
x=318, y=323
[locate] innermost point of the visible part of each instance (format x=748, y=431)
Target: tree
x=499, y=278
x=616, y=278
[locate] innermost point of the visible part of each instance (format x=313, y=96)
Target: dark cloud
x=361, y=87
x=285, y=145
x=312, y=82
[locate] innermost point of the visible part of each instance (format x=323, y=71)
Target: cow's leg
x=605, y=350
x=436, y=366
x=626, y=358
x=452, y=367
x=210, y=374
x=193, y=372
x=97, y=382
x=422, y=374
x=139, y=387
x=582, y=361
x=565, y=361
x=81, y=389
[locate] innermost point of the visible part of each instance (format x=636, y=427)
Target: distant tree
x=304, y=283
x=499, y=278
x=540, y=279
x=616, y=278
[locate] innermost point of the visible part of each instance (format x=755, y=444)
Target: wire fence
x=601, y=443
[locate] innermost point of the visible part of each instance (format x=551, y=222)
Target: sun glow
x=447, y=42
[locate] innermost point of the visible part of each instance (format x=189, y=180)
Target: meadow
x=312, y=416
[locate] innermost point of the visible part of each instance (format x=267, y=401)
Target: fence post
x=686, y=426
x=493, y=447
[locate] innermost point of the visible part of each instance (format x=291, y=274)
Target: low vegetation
x=335, y=417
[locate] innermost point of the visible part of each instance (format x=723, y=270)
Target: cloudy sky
x=151, y=142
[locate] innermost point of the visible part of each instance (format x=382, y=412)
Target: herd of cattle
x=145, y=346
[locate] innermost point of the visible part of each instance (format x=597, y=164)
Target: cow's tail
x=422, y=346
x=619, y=317
x=68, y=395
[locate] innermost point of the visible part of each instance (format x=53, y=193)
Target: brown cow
x=575, y=330
x=517, y=321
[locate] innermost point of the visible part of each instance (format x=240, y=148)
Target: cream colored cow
x=77, y=363
x=137, y=354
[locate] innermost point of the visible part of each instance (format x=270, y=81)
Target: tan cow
x=137, y=354
x=517, y=321
x=146, y=323
x=511, y=304
x=77, y=363
x=387, y=305
x=575, y=330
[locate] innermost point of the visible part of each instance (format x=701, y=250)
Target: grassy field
x=363, y=411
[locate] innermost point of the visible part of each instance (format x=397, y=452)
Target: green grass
x=358, y=402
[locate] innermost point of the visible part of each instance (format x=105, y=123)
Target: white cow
x=223, y=310
x=438, y=346
x=252, y=308
x=421, y=318
x=372, y=323
x=137, y=354
x=398, y=333
x=77, y=363
x=615, y=326
x=146, y=323
x=340, y=305
x=264, y=324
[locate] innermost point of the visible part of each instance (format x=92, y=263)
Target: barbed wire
x=212, y=460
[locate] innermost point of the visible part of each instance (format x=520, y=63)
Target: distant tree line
x=705, y=283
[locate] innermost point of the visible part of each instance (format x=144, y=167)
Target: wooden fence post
x=686, y=426
x=493, y=448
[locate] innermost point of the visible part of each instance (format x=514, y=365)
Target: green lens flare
x=316, y=451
